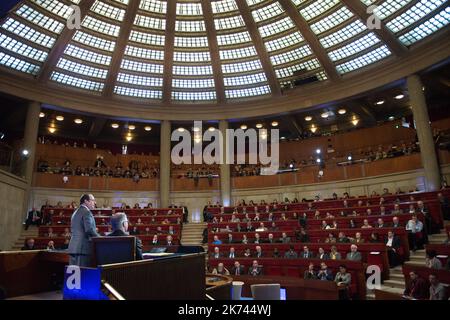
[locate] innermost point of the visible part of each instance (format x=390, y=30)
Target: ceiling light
x=211, y=128
x=115, y=125
x=78, y=121
x=318, y=160
x=313, y=128
x=181, y=129
x=391, y=118
x=324, y=115
x=41, y=115
x=259, y=125
x=349, y=158
x=147, y=128
x=131, y=127
x=283, y=138
x=51, y=130
x=308, y=118
x=196, y=129
x=129, y=138
x=355, y=121
x=25, y=152
x=274, y=124
x=342, y=111
x=400, y=96
x=379, y=103
x=60, y=118
x=243, y=127
x=318, y=151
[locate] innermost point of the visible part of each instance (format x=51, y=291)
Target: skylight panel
x=298, y=2
x=21, y=48
x=430, y=26
x=18, y=64
x=283, y=42
x=55, y=7
x=364, y=60
x=190, y=25
x=142, y=66
x=189, y=9
x=247, y=92
x=87, y=55
x=389, y=7
x=198, y=56
x=153, y=6
x=267, y=12
x=317, y=8
x=289, y=71
x=368, y=2
x=139, y=80
x=293, y=55
x=276, y=27
x=332, y=20
x=191, y=42
x=413, y=14
x=253, y=2
x=354, y=47
x=150, y=22
x=147, y=38
x=94, y=42
x=194, y=96
x=343, y=34
x=138, y=93
x=82, y=69
x=192, y=70
x=229, y=23
x=193, y=83
x=223, y=6
x=76, y=82
x=245, y=79
x=139, y=52
x=101, y=26
x=238, y=53
x=122, y=1
x=40, y=19
x=242, y=66
x=108, y=11
x=233, y=38
x=28, y=33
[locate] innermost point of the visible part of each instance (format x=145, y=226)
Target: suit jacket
x=83, y=229
x=138, y=244
x=291, y=254
x=354, y=256
x=309, y=255
x=30, y=215
x=260, y=255
x=323, y=256
x=285, y=240
x=255, y=271
x=395, y=242
x=309, y=276
x=237, y=271
x=325, y=275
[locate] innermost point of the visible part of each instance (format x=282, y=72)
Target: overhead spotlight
x=313, y=129
x=2, y=135
x=274, y=124
x=115, y=125
x=342, y=111
x=391, y=118
x=291, y=165
x=243, y=127
x=400, y=96
x=78, y=121
x=263, y=134
x=131, y=127
x=52, y=129
x=318, y=151
x=379, y=103
x=41, y=115
x=283, y=138
x=355, y=121
x=60, y=118
x=318, y=160
x=325, y=115
x=349, y=158
x=259, y=125
x=181, y=129
x=25, y=152
x=129, y=138
x=211, y=129
x=147, y=128
x=308, y=118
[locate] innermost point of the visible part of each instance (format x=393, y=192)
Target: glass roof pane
x=233, y=38
x=150, y=22
x=334, y=19
x=122, y=1
x=108, y=11
x=93, y=42
x=283, y=42
x=427, y=28
x=193, y=83
x=362, y=61
x=343, y=34
x=101, y=26
x=267, y=12
x=191, y=42
x=317, y=8
x=276, y=27
x=289, y=71
x=28, y=33
x=298, y=2
x=253, y=2
x=147, y=38
x=248, y=92
x=56, y=7
x=192, y=70
x=229, y=23
x=139, y=93
x=40, y=19
x=153, y=6
x=201, y=56
x=144, y=53
x=76, y=82
x=21, y=48
x=356, y=46
x=245, y=80
x=140, y=80
x=190, y=25
x=142, y=66
x=17, y=64
x=238, y=53
x=194, y=96
x=296, y=54
x=242, y=66
x=87, y=55
x=389, y=7
x=82, y=69
x=189, y=9
x=223, y=6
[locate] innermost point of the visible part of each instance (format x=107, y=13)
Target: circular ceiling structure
x=195, y=58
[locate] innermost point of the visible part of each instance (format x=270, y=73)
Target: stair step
x=392, y=290
x=394, y=284
x=397, y=277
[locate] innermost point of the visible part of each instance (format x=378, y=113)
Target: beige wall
x=12, y=212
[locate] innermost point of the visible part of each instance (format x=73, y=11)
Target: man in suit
x=354, y=255
x=324, y=273
x=237, y=270
x=416, y=287
x=33, y=217
x=258, y=253
x=232, y=253
x=216, y=254
x=310, y=274
x=255, y=269
x=291, y=254
x=306, y=254
x=396, y=223
x=169, y=241
x=392, y=244
x=284, y=238
x=322, y=254
x=83, y=228
x=119, y=224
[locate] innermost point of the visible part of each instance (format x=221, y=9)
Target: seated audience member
x=65, y=244
x=237, y=269
x=50, y=233
x=273, y=227
x=343, y=280
x=422, y=208
x=134, y=231
x=249, y=227
x=366, y=224
x=66, y=233
x=216, y=254
x=244, y=239
x=303, y=236
x=357, y=239
x=330, y=238
x=416, y=287
x=374, y=238
x=284, y=238
x=261, y=227
x=382, y=211
x=270, y=238
x=431, y=261
x=221, y=270
x=414, y=228
x=334, y=254
x=169, y=241
x=230, y=239
x=119, y=225
x=258, y=252
x=257, y=239
x=396, y=223
x=354, y=254
x=231, y=253
x=171, y=231
x=445, y=206
x=369, y=212
x=322, y=254
x=29, y=244
x=396, y=210
x=392, y=244
x=380, y=223
x=352, y=224
x=33, y=217
x=154, y=241
x=437, y=289
x=291, y=254
x=51, y=245
x=306, y=254
x=276, y=253
x=342, y=238
x=324, y=273
x=247, y=253
x=216, y=240
x=324, y=225
x=255, y=269
x=411, y=209
x=310, y=274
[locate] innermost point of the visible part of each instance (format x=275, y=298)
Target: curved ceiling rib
x=168, y=50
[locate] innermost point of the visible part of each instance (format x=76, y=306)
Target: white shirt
x=389, y=242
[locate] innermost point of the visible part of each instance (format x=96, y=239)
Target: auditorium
x=202, y=150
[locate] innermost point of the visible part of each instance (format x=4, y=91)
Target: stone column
x=225, y=178
x=424, y=133
x=164, y=164
x=30, y=139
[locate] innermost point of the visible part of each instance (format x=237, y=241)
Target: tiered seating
x=424, y=272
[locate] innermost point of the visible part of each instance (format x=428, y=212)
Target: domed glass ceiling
x=207, y=50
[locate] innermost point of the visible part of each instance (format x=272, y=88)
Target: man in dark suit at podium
x=119, y=224
x=83, y=228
